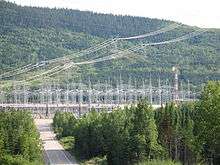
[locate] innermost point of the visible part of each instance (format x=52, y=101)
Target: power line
x=82, y=53
x=165, y=29
x=119, y=54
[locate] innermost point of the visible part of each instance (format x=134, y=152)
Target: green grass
x=95, y=161
x=159, y=162
x=67, y=142
x=68, y=145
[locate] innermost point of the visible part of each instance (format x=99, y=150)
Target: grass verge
x=68, y=145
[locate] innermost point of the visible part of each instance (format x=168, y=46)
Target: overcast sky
x=202, y=13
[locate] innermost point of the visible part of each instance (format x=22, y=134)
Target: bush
x=19, y=138
x=17, y=160
x=158, y=162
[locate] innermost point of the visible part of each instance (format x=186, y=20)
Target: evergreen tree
x=19, y=139
x=207, y=122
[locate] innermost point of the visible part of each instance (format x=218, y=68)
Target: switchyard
x=106, y=88
x=80, y=98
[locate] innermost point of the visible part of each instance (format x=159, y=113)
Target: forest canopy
x=32, y=34
x=185, y=132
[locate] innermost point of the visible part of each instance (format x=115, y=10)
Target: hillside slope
x=29, y=35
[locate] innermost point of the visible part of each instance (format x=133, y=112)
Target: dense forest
x=19, y=139
x=31, y=34
x=188, y=133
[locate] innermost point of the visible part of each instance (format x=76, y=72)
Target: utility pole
x=15, y=93
x=73, y=93
x=106, y=93
x=1, y=96
x=150, y=90
x=89, y=95
x=25, y=95
x=117, y=93
x=167, y=93
x=130, y=94
x=144, y=89
x=135, y=92
x=182, y=92
x=175, y=70
x=80, y=98
x=121, y=95
x=188, y=90
x=160, y=93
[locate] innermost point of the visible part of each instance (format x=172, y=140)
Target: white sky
x=202, y=13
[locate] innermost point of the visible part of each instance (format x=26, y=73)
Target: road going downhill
x=54, y=152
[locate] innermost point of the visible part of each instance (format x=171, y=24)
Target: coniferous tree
x=207, y=122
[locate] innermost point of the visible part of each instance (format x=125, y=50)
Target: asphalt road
x=54, y=152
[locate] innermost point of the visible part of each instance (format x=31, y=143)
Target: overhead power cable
x=178, y=39
x=165, y=29
x=30, y=67
x=95, y=48
x=121, y=54
x=112, y=41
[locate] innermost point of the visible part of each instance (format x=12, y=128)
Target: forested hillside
x=30, y=34
x=19, y=140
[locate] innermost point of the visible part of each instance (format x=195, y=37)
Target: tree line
x=19, y=139
x=103, y=25
x=30, y=34
x=185, y=132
